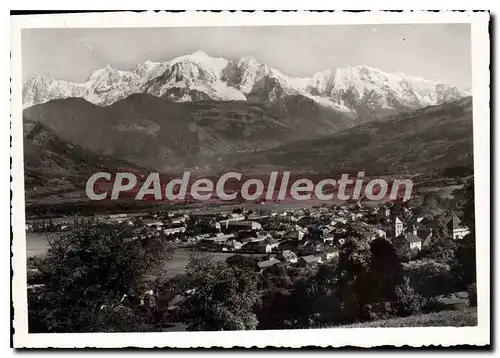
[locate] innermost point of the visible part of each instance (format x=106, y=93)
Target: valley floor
x=37, y=245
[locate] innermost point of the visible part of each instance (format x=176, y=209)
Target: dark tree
x=242, y=261
x=222, y=296
x=465, y=255
x=402, y=248
x=386, y=270
x=86, y=274
x=354, y=289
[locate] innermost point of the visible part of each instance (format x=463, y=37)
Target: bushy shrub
x=429, y=278
x=379, y=311
x=222, y=298
x=408, y=301
x=440, y=249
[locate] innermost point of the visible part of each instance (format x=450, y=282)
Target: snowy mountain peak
x=358, y=90
x=200, y=53
x=204, y=61
x=143, y=68
x=38, y=78
x=107, y=71
x=248, y=61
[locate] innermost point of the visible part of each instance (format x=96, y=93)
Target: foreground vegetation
x=443, y=318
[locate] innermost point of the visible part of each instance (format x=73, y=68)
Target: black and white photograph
x=314, y=175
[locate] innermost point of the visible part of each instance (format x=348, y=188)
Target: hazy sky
x=435, y=52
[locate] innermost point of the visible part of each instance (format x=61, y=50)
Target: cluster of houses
x=297, y=236
x=288, y=257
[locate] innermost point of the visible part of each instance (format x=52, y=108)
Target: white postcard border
x=336, y=337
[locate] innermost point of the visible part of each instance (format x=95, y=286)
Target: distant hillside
x=165, y=135
x=51, y=161
x=426, y=139
x=157, y=133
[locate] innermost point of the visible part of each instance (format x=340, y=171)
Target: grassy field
x=36, y=243
x=467, y=317
x=181, y=258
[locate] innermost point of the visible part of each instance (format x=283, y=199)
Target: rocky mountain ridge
x=356, y=91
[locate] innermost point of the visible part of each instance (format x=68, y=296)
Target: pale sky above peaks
x=436, y=52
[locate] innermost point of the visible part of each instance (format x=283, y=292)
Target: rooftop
x=454, y=223
x=412, y=238
x=309, y=258
x=268, y=263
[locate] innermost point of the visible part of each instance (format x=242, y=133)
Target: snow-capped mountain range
x=198, y=76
